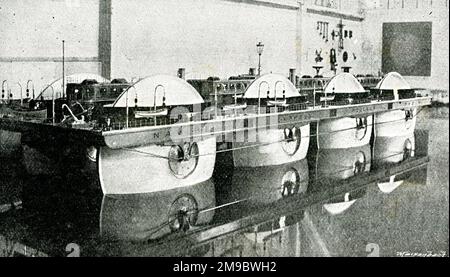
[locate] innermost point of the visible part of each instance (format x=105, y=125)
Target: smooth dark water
x=314, y=207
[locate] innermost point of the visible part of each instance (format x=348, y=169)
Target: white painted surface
x=128, y=171
x=268, y=150
x=31, y=35
x=342, y=133
x=208, y=38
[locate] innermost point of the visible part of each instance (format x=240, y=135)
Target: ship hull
x=395, y=123
x=118, y=171
x=344, y=132
x=270, y=149
x=128, y=172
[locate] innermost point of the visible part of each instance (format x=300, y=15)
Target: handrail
x=21, y=98
x=78, y=121
x=127, y=105
x=259, y=93
x=284, y=89
x=164, y=96
x=28, y=90
x=3, y=89
x=53, y=102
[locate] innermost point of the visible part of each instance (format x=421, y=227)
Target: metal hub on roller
x=290, y=183
x=361, y=127
x=183, y=159
x=407, y=150
x=359, y=165
x=91, y=153
x=183, y=213
x=291, y=140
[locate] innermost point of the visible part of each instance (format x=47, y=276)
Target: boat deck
x=147, y=131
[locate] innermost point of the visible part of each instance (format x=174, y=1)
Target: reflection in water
x=341, y=164
x=258, y=188
x=263, y=185
x=154, y=215
x=332, y=165
x=393, y=150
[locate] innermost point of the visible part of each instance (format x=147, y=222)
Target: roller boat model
x=344, y=89
x=260, y=97
x=399, y=122
x=143, y=168
x=276, y=144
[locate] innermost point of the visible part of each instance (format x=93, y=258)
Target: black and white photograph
x=254, y=130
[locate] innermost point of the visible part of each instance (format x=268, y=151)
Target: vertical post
x=21, y=96
x=259, y=49
x=235, y=99
x=259, y=64
x=292, y=75
x=127, y=109
x=215, y=100
x=63, y=73
x=53, y=104
x=314, y=94
x=104, y=37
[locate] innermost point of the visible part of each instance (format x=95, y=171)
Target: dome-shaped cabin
x=398, y=122
x=346, y=132
x=154, y=97
x=276, y=93
x=343, y=88
x=159, y=91
x=272, y=90
x=393, y=87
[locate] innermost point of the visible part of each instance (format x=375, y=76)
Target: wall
x=207, y=37
x=312, y=40
x=411, y=11
x=31, y=34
